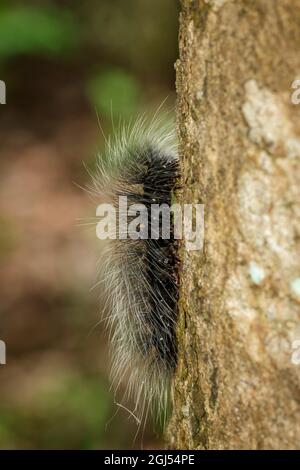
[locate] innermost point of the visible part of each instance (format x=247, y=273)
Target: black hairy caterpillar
x=141, y=275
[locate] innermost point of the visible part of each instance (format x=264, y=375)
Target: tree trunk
x=238, y=380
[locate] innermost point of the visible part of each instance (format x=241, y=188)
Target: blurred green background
x=61, y=61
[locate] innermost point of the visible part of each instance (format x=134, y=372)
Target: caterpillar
x=140, y=275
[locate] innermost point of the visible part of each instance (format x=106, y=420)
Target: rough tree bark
x=237, y=385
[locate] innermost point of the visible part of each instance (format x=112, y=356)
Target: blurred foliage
x=60, y=59
x=8, y=236
x=135, y=42
x=138, y=34
x=114, y=92
x=75, y=412
x=35, y=31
